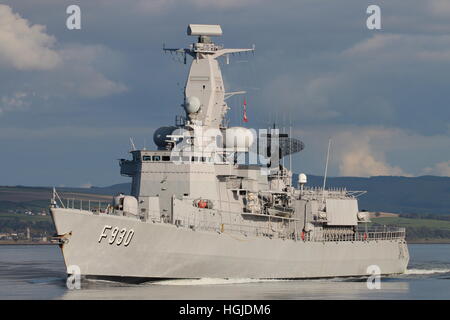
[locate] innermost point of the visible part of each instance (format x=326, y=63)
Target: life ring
x=202, y=204
x=303, y=235
x=365, y=236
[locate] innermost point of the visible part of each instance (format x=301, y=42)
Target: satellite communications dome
x=192, y=104
x=302, y=178
x=238, y=138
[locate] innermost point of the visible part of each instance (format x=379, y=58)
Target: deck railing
x=361, y=234
x=366, y=234
x=291, y=229
x=95, y=206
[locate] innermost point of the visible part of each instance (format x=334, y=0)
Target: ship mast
x=204, y=93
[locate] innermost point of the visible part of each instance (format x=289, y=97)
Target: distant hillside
x=426, y=194
x=37, y=199
x=124, y=188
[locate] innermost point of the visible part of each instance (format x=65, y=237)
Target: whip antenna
x=326, y=170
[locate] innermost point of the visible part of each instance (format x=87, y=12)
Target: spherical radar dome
x=302, y=179
x=160, y=135
x=192, y=104
x=238, y=138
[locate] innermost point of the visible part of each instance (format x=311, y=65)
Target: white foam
x=426, y=271
x=211, y=281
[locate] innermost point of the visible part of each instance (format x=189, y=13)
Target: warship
x=214, y=201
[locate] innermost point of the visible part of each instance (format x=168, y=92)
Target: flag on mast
x=245, y=111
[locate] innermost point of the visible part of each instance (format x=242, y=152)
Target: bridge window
x=156, y=158
x=147, y=158
x=165, y=158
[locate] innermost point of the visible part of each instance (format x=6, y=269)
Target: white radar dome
x=302, y=178
x=238, y=138
x=192, y=104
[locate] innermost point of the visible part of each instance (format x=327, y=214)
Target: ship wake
x=212, y=281
x=426, y=271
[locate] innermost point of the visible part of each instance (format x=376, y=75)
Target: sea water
x=38, y=272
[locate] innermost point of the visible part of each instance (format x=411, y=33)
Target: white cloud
x=16, y=101
x=59, y=69
x=24, y=46
x=372, y=150
x=392, y=48
x=375, y=43
x=439, y=169
x=357, y=157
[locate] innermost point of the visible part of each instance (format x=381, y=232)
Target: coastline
x=429, y=241
x=25, y=242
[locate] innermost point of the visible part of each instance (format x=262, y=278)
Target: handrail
x=94, y=206
x=371, y=234
x=293, y=230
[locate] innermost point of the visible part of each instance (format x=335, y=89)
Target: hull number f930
x=116, y=235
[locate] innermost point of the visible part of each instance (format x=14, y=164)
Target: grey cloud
x=382, y=79
x=73, y=132
x=80, y=75
x=61, y=70
x=316, y=65
x=439, y=7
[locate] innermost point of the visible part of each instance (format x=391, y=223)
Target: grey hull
x=159, y=250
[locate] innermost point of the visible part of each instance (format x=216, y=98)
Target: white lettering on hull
x=118, y=237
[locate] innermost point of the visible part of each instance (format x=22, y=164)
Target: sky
x=71, y=99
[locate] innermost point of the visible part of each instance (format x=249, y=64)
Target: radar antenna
x=204, y=93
